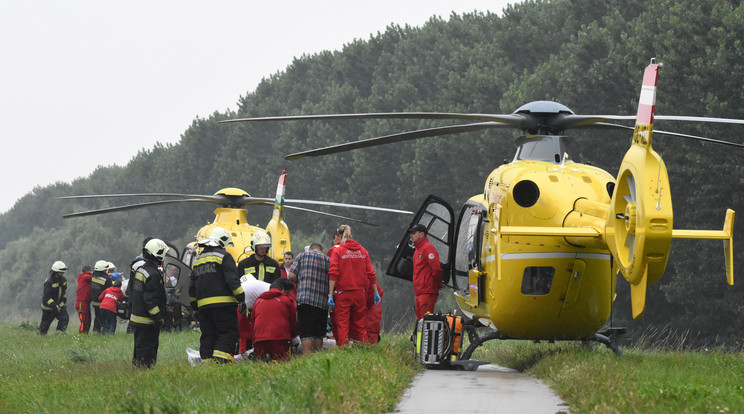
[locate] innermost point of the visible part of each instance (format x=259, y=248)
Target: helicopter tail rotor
x=639, y=227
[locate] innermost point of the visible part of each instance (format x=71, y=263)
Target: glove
x=331, y=303
x=241, y=307
x=378, y=299
x=159, y=322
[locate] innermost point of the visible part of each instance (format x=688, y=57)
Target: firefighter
x=216, y=293
x=98, y=283
x=260, y=265
x=147, y=298
x=54, y=301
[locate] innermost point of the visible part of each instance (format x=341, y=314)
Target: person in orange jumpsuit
x=82, y=299
x=351, y=273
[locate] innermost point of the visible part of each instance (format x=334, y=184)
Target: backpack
x=437, y=340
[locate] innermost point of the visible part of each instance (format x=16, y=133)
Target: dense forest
x=586, y=54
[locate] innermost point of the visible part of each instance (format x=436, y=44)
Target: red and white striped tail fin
x=646, y=106
x=280, y=188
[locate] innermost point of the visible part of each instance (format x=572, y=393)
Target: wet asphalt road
x=490, y=389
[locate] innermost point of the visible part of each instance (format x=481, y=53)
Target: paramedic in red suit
x=82, y=300
x=274, y=321
x=331, y=314
x=374, y=315
x=351, y=273
x=427, y=272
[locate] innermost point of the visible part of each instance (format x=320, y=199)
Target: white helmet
x=101, y=265
x=221, y=236
x=260, y=239
x=155, y=248
x=59, y=266
x=111, y=267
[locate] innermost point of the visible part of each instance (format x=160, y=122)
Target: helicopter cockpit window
x=537, y=280
x=547, y=148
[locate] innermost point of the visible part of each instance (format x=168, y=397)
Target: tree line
x=586, y=54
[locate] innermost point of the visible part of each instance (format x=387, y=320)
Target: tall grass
x=93, y=373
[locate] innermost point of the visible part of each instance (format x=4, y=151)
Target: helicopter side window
x=537, y=280
x=172, y=274
x=468, y=242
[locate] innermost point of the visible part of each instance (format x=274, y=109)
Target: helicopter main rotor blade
x=329, y=214
x=333, y=204
x=219, y=199
x=131, y=207
x=511, y=119
x=698, y=119
x=212, y=198
x=675, y=134
x=399, y=137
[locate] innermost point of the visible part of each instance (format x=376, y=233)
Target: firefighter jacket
x=274, y=317
x=214, y=280
x=427, y=272
x=55, y=287
x=266, y=270
x=98, y=283
x=146, y=292
x=351, y=267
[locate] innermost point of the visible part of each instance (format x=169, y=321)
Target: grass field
x=78, y=373
x=641, y=381
x=74, y=373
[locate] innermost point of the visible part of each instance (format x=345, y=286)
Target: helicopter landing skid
x=476, y=340
x=606, y=341
x=464, y=361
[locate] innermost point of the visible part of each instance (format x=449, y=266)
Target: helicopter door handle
x=621, y=216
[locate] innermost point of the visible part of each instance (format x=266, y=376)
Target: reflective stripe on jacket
x=146, y=293
x=55, y=288
x=214, y=280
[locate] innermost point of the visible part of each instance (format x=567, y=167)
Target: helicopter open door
x=174, y=269
x=437, y=215
x=466, y=272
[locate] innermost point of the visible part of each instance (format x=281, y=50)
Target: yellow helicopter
x=535, y=256
x=231, y=215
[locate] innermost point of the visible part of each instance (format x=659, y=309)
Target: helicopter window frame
x=537, y=280
x=468, y=242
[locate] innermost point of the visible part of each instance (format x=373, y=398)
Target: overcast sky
x=88, y=83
